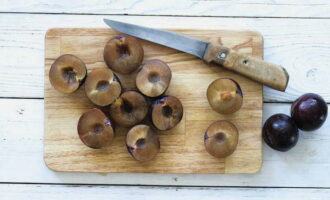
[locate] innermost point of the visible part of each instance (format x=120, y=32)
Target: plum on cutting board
x=67, y=73
x=95, y=129
x=154, y=78
x=123, y=54
x=221, y=138
x=142, y=143
x=129, y=109
x=166, y=112
x=225, y=96
x=102, y=86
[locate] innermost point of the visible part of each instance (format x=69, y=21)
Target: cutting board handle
x=271, y=75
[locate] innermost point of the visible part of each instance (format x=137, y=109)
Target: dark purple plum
x=309, y=111
x=280, y=132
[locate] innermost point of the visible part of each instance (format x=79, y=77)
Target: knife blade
x=271, y=75
x=166, y=38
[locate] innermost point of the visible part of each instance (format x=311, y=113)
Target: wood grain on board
x=182, y=148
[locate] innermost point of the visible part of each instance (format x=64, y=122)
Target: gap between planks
x=155, y=15
x=155, y=185
x=246, y=8
x=21, y=191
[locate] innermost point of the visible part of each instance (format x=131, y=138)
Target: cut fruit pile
x=123, y=55
x=147, y=104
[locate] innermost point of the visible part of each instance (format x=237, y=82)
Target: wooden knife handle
x=273, y=76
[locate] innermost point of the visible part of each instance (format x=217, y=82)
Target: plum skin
x=280, y=132
x=309, y=111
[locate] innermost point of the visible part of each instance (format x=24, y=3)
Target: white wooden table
x=296, y=35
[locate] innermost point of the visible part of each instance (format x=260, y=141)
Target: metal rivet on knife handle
x=271, y=75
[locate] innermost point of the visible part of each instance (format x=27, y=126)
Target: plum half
x=142, y=143
x=129, y=109
x=221, y=138
x=123, y=54
x=309, y=111
x=280, y=132
x=67, y=73
x=154, y=78
x=95, y=129
x=166, y=112
x=225, y=96
x=102, y=87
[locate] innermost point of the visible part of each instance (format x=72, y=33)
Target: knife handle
x=273, y=76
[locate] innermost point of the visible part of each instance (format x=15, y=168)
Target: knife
x=271, y=75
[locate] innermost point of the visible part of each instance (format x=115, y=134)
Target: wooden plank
x=248, y=8
x=298, y=44
x=82, y=192
x=21, y=142
x=182, y=148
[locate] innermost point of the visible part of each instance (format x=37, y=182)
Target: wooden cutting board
x=182, y=149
